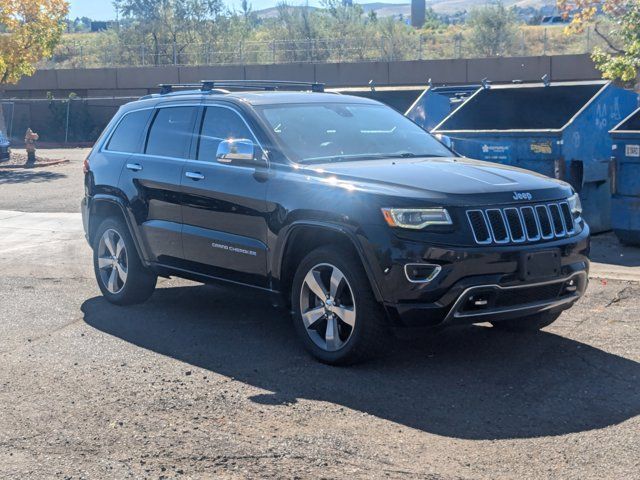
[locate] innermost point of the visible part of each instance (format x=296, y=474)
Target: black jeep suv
x=358, y=217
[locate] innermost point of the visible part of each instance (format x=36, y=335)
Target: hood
x=454, y=177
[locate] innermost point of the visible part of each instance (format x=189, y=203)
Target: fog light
x=571, y=286
x=483, y=300
x=421, y=272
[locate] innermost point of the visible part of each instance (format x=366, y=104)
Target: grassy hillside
x=106, y=49
x=383, y=9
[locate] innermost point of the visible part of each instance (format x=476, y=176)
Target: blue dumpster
x=399, y=97
x=560, y=130
x=436, y=103
x=625, y=212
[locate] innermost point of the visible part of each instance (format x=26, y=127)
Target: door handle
x=134, y=167
x=194, y=175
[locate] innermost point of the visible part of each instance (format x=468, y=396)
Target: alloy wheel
x=327, y=306
x=113, y=262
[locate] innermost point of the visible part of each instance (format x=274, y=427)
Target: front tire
x=122, y=278
x=335, y=312
x=532, y=323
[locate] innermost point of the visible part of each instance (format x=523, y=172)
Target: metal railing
x=529, y=41
x=58, y=121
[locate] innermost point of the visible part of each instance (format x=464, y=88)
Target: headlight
x=575, y=205
x=416, y=218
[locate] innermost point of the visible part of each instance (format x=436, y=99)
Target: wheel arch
x=105, y=206
x=300, y=238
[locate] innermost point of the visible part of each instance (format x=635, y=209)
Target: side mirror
x=239, y=151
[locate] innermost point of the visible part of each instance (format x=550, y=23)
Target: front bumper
x=491, y=276
x=484, y=303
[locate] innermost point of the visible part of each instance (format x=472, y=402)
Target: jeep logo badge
x=522, y=196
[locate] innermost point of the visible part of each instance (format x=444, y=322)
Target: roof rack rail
x=166, y=88
x=210, y=85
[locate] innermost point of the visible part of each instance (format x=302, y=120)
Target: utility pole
x=418, y=12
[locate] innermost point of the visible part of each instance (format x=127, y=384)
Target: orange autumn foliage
x=29, y=31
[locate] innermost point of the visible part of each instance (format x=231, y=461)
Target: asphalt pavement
x=210, y=382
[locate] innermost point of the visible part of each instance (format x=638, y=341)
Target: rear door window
x=128, y=134
x=218, y=124
x=171, y=132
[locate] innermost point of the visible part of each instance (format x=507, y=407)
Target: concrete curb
x=37, y=165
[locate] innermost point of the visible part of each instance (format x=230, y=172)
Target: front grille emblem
x=522, y=196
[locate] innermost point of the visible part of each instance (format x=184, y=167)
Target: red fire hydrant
x=30, y=139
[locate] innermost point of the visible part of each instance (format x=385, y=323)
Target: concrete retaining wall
x=139, y=81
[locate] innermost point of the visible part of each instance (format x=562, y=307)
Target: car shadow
x=471, y=383
x=23, y=176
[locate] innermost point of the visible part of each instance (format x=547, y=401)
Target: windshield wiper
x=415, y=155
x=344, y=158
x=368, y=156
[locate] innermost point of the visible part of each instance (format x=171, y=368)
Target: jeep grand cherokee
x=360, y=219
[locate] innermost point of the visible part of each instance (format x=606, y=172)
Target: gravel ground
x=57, y=188
x=202, y=381
x=210, y=382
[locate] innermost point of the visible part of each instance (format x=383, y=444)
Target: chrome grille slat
x=544, y=218
x=515, y=225
x=531, y=223
x=497, y=225
x=556, y=220
x=565, y=211
x=479, y=226
x=528, y=223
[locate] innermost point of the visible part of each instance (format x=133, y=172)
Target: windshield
x=327, y=132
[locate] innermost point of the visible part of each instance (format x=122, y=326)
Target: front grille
x=511, y=298
x=520, y=224
x=507, y=298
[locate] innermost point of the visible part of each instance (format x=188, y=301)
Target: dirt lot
x=211, y=382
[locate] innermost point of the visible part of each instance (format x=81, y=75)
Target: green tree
x=171, y=24
x=621, y=58
x=346, y=26
x=493, y=29
x=31, y=29
x=432, y=20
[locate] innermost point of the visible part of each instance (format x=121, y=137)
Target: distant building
x=99, y=26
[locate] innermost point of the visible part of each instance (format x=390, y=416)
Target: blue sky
x=103, y=9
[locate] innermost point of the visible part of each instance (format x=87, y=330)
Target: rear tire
x=122, y=278
x=336, y=314
x=531, y=323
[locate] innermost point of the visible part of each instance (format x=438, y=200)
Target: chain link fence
x=73, y=121
x=78, y=121
x=528, y=41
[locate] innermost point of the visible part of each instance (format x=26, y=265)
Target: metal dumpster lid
x=571, y=113
x=376, y=88
x=457, y=92
x=631, y=124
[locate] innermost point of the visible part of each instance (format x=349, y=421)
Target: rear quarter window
x=127, y=136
